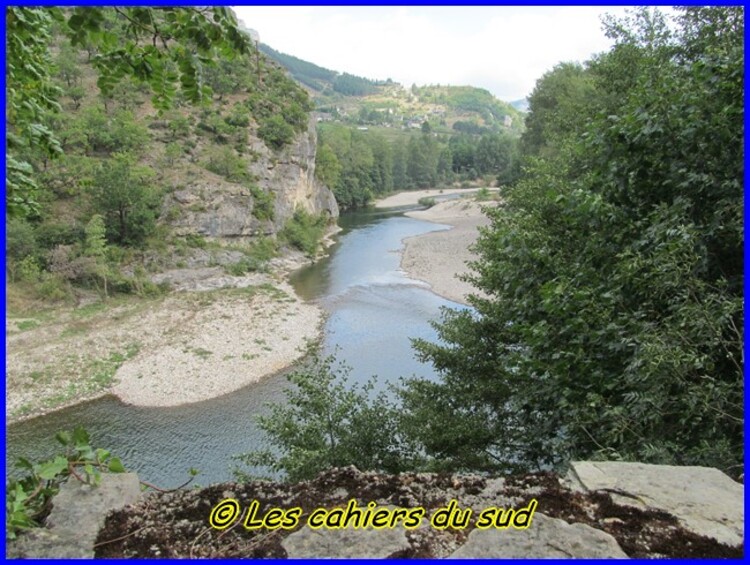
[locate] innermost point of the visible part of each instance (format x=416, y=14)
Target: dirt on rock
x=176, y=525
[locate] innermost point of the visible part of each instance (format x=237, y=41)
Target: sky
x=504, y=49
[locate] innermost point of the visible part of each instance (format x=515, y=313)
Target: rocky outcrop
x=704, y=500
x=210, y=206
x=568, y=520
x=549, y=538
x=289, y=174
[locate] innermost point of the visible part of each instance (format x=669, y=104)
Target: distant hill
x=521, y=105
x=321, y=79
x=468, y=103
x=352, y=99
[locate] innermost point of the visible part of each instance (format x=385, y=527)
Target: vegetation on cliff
x=113, y=111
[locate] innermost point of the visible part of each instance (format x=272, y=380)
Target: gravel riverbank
x=176, y=349
x=438, y=258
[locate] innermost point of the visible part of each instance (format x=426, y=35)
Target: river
x=373, y=311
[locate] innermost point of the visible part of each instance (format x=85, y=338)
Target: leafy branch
x=28, y=499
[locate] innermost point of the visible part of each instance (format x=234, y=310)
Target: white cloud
x=503, y=49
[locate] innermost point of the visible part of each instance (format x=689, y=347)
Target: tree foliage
x=326, y=423
x=613, y=316
x=165, y=48
x=561, y=100
x=31, y=96
x=123, y=194
x=360, y=165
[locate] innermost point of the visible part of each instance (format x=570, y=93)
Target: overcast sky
x=504, y=49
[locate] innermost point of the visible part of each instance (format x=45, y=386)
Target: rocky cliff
x=210, y=206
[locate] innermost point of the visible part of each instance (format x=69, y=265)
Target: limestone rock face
x=703, y=499
x=289, y=174
x=345, y=543
x=210, y=206
x=545, y=538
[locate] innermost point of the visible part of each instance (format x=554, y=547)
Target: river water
x=373, y=311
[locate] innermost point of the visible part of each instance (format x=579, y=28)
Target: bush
x=483, y=194
x=49, y=235
x=262, y=204
x=324, y=424
x=196, y=241
x=244, y=266
x=304, y=231
x=262, y=249
x=275, y=132
x=53, y=288
x=225, y=162
x=20, y=240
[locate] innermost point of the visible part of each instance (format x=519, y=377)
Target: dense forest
x=320, y=78
x=611, y=324
x=360, y=165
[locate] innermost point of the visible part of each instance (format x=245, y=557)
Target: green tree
x=494, y=154
x=422, y=162
x=95, y=247
x=76, y=94
x=445, y=165
x=558, y=105
x=123, y=194
x=400, y=178
x=275, y=132
x=612, y=319
x=326, y=424
x=68, y=66
x=304, y=231
x=130, y=42
x=327, y=166
x=172, y=152
x=31, y=97
x=462, y=150
x=224, y=161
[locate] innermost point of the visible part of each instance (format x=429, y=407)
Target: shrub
x=262, y=249
x=324, y=424
x=483, y=194
x=244, y=266
x=225, y=162
x=20, y=240
x=304, y=231
x=275, y=132
x=262, y=204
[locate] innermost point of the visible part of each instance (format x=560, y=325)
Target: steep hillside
x=166, y=185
